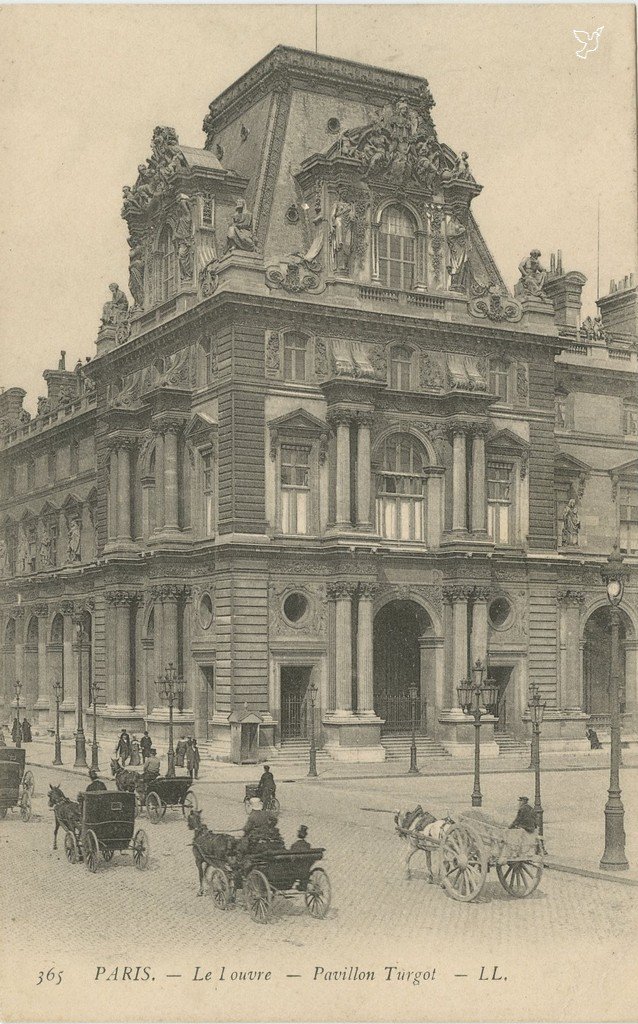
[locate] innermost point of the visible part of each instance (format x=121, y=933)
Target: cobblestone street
x=67, y=918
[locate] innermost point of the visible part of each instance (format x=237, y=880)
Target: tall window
x=499, y=379
x=167, y=266
x=499, y=501
x=401, y=489
x=401, y=369
x=295, y=349
x=208, y=487
x=629, y=517
x=295, y=489
x=397, y=248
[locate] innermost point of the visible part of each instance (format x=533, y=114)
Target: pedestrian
x=136, y=757
x=16, y=731
x=123, y=749
x=180, y=751
x=192, y=758
x=26, y=731
x=145, y=744
x=592, y=736
x=266, y=788
x=96, y=784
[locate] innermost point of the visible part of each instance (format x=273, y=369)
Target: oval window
x=295, y=607
x=205, y=611
x=500, y=612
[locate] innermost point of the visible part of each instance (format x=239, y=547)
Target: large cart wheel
x=464, y=864
x=189, y=803
x=141, y=849
x=29, y=782
x=318, y=893
x=107, y=853
x=3, y=812
x=25, y=805
x=247, y=800
x=155, y=808
x=520, y=877
x=71, y=848
x=91, y=849
x=219, y=888
x=258, y=896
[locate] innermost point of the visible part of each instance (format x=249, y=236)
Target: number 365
x=55, y=977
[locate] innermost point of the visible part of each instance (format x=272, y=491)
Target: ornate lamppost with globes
x=413, y=694
x=80, y=739
x=171, y=688
x=477, y=699
x=17, y=686
x=614, y=575
x=536, y=708
x=312, y=767
x=57, y=694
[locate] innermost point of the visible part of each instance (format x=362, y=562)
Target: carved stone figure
x=462, y=170
x=208, y=279
x=23, y=552
x=116, y=308
x=74, y=540
x=571, y=523
x=44, y=551
x=44, y=406
x=533, y=275
x=184, y=236
x=156, y=176
x=4, y=558
x=297, y=272
x=341, y=233
x=136, y=271
x=240, y=232
x=560, y=410
x=207, y=127
x=457, y=246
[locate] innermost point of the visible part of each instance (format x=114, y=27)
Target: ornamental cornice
x=125, y=442
x=571, y=598
x=124, y=597
x=341, y=590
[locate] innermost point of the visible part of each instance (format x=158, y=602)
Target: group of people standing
x=20, y=731
x=132, y=752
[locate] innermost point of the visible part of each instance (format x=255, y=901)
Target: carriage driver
x=96, y=783
x=152, y=766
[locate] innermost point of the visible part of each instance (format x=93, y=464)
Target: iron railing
x=396, y=709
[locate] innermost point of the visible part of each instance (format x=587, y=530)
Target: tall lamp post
x=171, y=688
x=413, y=693
x=57, y=693
x=94, y=744
x=477, y=699
x=18, y=690
x=80, y=740
x=312, y=767
x=536, y=708
x=614, y=576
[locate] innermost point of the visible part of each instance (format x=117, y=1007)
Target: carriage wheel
x=219, y=888
x=247, y=804
x=318, y=893
x=155, y=808
x=274, y=805
x=25, y=805
x=463, y=864
x=91, y=849
x=139, y=803
x=520, y=877
x=141, y=849
x=3, y=812
x=71, y=848
x=29, y=782
x=258, y=896
x=107, y=853
x=189, y=803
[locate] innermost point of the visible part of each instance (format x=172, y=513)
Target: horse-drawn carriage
x=16, y=785
x=156, y=794
x=263, y=876
x=461, y=853
x=107, y=824
x=271, y=803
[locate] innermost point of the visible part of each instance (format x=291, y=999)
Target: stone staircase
x=511, y=746
x=397, y=747
x=296, y=754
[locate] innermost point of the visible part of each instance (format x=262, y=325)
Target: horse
x=125, y=780
x=421, y=825
x=209, y=847
x=66, y=812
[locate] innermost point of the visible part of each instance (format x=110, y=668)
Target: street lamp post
x=171, y=688
x=312, y=767
x=536, y=709
x=477, y=699
x=94, y=743
x=57, y=693
x=18, y=690
x=80, y=740
x=614, y=575
x=414, y=693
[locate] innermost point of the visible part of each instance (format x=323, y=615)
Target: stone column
x=42, y=699
x=112, y=522
x=124, y=492
x=171, y=475
x=365, y=667
x=159, y=481
x=481, y=597
x=120, y=661
x=69, y=658
x=459, y=480
x=457, y=597
x=341, y=593
x=571, y=602
x=364, y=470
x=479, y=496
x=341, y=420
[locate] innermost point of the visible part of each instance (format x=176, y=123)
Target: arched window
x=10, y=633
x=397, y=248
x=401, y=368
x=295, y=349
x=401, y=483
x=166, y=266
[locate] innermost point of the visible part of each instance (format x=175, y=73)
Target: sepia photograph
x=318, y=513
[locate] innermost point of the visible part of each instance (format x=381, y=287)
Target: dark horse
x=125, y=781
x=210, y=847
x=67, y=812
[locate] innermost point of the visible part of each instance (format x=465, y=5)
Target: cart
x=161, y=793
x=469, y=847
x=16, y=785
x=262, y=876
x=108, y=824
x=269, y=805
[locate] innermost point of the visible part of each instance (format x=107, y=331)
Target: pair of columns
x=120, y=503
x=462, y=646
x=342, y=421
x=121, y=685
x=463, y=435
x=570, y=603
x=343, y=593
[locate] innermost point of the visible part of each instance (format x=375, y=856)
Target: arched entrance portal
x=398, y=629
x=597, y=663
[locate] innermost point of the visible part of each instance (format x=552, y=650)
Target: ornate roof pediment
x=299, y=425
x=508, y=439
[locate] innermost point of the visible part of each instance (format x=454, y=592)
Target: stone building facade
x=322, y=444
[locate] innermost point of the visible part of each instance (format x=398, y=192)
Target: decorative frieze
x=121, y=597
x=170, y=592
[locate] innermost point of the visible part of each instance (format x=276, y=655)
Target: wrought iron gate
x=294, y=717
x=396, y=709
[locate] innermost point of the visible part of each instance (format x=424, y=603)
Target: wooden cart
x=17, y=785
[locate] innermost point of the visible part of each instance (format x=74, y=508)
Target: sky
x=550, y=136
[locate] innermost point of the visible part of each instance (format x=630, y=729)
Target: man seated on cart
x=301, y=844
x=266, y=787
x=260, y=832
x=152, y=767
x=523, y=842
x=94, y=786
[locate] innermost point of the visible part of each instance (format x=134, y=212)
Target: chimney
x=11, y=406
x=619, y=309
x=565, y=292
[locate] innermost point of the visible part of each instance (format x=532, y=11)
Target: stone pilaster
x=459, y=479
x=123, y=708
x=120, y=507
x=42, y=704
x=479, y=481
x=571, y=603
x=167, y=429
x=342, y=592
x=365, y=668
x=364, y=470
x=341, y=419
x=480, y=599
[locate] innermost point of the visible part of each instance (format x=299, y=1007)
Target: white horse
x=418, y=827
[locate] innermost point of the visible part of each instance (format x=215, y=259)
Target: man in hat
x=95, y=784
x=267, y=787
x=145, y=745
x=525, y=817
x=152, y=766
x=123, y=749
x=260, y=829
x=301, y=844
x=180, y=751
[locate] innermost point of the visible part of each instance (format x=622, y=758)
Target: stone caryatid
x=240, y=231
x=74, y=540
x=342, y=219
x=533, y=276
x=136, y=271
x=571, y=523
x=183, y=231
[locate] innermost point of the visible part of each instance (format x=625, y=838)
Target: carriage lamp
x=614, y=575
x=17, y=686
x=413, y=692
x=57, y=695
x=477, y=699
x=536, y=708
x=171, y=687
x=312, y=767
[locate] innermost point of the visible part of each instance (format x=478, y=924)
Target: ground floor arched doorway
x=597, y=664
x=398, y=630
